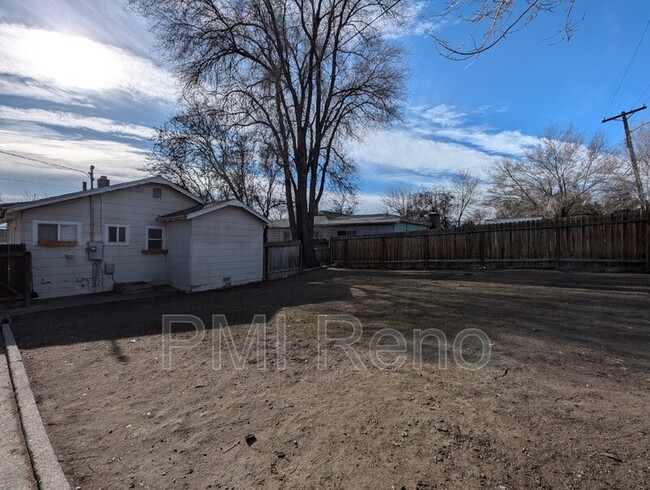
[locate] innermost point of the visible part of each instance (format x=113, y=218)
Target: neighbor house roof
x=327, y=218
x=21, y=206
x=498, y=221
x=201, y=209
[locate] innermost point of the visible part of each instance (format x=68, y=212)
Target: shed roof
x=201, y=209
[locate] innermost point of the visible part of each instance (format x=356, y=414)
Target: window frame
x=163, y=240
x=127, y=235
x=58, y=242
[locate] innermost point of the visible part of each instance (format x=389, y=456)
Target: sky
x=82, y=83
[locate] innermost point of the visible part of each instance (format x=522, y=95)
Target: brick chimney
x=103, y=182
x=434, y=220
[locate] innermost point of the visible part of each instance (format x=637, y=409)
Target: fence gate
x=15, y=274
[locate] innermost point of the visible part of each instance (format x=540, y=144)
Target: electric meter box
x=95, y=250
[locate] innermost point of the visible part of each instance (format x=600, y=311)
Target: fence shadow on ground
x=143, y=316
x=557, y=312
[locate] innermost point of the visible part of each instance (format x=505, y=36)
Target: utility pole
x=91, y=174
x=630, y=147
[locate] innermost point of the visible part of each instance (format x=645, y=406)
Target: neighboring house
x=148, y=230
x=328, y=225
x=3, y=235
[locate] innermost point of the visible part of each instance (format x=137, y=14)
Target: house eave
x=101, y=190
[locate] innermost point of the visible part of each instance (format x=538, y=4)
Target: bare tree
x=397, y=200
x=34, y=196
x=216, y=162
x=343, y=201
x=465, y=190
x=642, y=144
x=308, y=73
x=491, y=21
x=433, y=200
x=560, y=176
x=419, y=204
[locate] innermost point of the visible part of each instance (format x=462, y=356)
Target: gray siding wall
x=226, y=243
x=67, y=271
x=179, y=272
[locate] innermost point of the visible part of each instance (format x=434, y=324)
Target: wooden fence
x=282, y=259
x=15, y=274
x=613, y=241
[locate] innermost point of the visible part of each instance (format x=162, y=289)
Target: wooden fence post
x=647, y=242
x=426, y=251
x=27, y=278
x=557, y=243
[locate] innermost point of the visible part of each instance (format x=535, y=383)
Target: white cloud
x=369, y=203
x=445, y=121
x=502, y=142
x=70, y=120
x=107, y=21
x=399, y=149
x=409, y=19
x=443, y=115
x=78, y=66
x=115, y=159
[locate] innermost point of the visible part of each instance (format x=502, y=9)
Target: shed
x=214, y=245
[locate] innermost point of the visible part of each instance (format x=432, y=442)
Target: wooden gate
x=15, y=274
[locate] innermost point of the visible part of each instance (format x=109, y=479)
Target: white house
x=328, y=225
x=148, y=230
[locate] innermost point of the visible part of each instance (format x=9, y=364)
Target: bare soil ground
x=563, y=403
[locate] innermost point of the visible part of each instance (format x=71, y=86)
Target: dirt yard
x=563, y=403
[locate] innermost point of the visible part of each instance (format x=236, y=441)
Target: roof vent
x=103, y=182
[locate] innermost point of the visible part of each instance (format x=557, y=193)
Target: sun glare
x=73, y=61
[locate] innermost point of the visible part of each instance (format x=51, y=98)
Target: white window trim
x=41, y=222
x=118, y=244
x=146, y=236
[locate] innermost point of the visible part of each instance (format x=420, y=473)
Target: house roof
x=21, y=206
x=327, y=218
x=498, y=221
x=201, y=209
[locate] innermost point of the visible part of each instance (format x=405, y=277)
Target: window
x=154, y=238
x=346, y=233
x=117, y=234
x=287, y=235
x=53, y=234
x=157, y=192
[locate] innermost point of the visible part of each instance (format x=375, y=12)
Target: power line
x=628, y=66
x=54, y=165
x=639, y=127
x=642, y=95
x=379, y=16
x=38, y=183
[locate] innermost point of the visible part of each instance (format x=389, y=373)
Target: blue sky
x=81, y=84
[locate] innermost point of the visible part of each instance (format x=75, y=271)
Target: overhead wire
x=50, y=164
x=628, y=66
x=34, y=182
